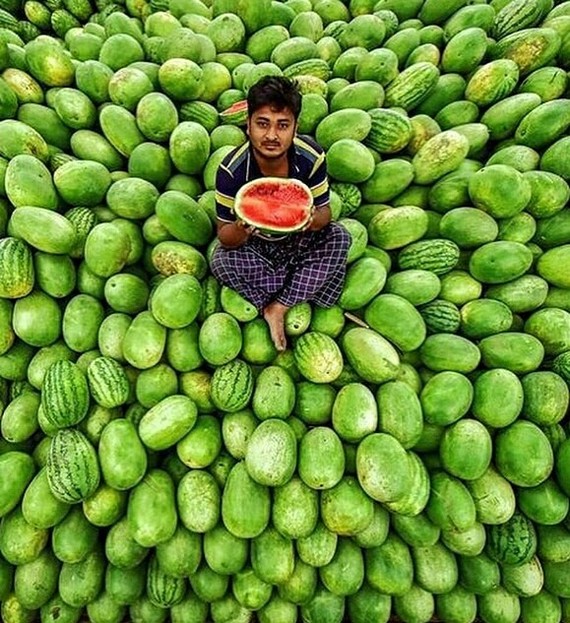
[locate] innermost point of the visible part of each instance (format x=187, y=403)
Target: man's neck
x=272, y=167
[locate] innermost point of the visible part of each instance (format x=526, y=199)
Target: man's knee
x=340, y=234
x=237, y=265
x=217, y=263
x=223, y=265
x=338, y=239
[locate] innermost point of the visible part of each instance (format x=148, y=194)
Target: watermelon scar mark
x=356, y=320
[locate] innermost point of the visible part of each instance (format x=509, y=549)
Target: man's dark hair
x=277, y=91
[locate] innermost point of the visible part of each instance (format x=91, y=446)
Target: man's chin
x=271, y=154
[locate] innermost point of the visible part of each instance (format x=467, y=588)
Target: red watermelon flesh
x=236, y=114
x=275, y=204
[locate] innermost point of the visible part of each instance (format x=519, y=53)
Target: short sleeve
x=318, y=182
x=225, y=194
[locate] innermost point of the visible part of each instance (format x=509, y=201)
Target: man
x=275, y=272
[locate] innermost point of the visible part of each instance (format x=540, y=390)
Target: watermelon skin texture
x=311, y=67
x=518, y=15
x=151, y=510
x=17, y=471
x=318, y=357
x=271, y=455
x=65, y=394
x=72, y=466
x=434, y=409
x=513, y=542
x=391, y=131
x=17, y=274
x=108, y=382
x=412, y=85
x=274, y=394
x=163, y=590
x=232, y=386
x=441, y=316
x=122, y=470
x=245, y=504
x=437, y=255
x=253, y=15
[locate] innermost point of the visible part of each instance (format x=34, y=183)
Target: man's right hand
x=234, y=235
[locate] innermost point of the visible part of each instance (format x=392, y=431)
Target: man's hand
x=320, y=218
x=234, y=235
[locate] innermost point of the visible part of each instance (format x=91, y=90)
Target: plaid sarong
x=307, y=266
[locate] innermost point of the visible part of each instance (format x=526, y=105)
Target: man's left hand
x=320, y=218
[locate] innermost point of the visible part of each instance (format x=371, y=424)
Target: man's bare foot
x=274, y=315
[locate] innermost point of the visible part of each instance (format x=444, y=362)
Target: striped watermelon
x=59, y=159
x=163, y=590
x=517, y=15
x=62, y=21
x=544, y=43
x=65, y=394
x=437, y=255
x=335, y=29
x=108, y=382
x=311, y=67
x=318, y=357
x=492, y=82
x=441, y=316
x=412, y=85
x=8, y=21
x=83, y=220
x=72, y=466
x=513, y=542
x=16, y=268
x=561, y=365
x=201, y=112
x=350, y=197
x=232, y=386
x=391, y=130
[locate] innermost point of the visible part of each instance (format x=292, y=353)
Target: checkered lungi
x=307, y=266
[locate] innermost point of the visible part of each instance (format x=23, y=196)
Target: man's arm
x=232, y=233
x=319, y=184
x=321, y=218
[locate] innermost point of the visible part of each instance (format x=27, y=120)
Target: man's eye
x=283, y=126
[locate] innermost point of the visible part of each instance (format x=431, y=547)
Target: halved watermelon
x=274, y=204
x=236, y=114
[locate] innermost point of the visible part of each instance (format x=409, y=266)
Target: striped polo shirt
x=306, y=163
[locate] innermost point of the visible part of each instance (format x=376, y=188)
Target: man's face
x=271, y=131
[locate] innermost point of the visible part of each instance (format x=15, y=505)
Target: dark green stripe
x=72, y=466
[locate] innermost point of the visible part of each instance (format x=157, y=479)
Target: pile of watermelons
x=158, y=459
